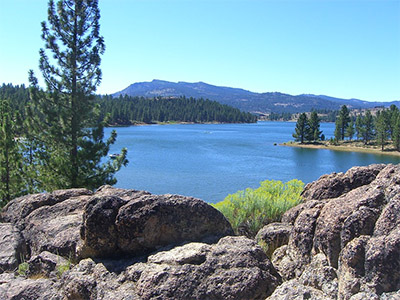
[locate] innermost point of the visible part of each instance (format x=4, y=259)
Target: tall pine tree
x=382, y=128
x=342, y=122
x=396, y=133
x=314, y=133
x=64, y=116
x=350, y=130
x=302, y=128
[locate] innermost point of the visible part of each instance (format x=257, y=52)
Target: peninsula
x=350, y=146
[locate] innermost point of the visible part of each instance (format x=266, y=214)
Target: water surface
x=210, y=161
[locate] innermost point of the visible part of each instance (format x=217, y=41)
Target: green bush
x=249, y=210
x=22, y=269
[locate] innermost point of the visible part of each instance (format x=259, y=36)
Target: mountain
x=243, y=99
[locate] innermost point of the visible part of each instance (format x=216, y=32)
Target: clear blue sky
x=347, y=49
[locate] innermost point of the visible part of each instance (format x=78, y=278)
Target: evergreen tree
x=350, y=130
x=302, y=128
x=65, y=117
x=314, y=133
x=382, y=128
x=338, y=132
x=10, y=156
x=343, y=120
x=368, y=124
x=392, y=119
x=359, y=127
x=396, y=133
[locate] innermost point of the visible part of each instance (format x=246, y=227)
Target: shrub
x=249, y=210
x=23, y=269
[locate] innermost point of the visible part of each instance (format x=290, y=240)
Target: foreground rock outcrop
x=111, y=222
x=126, y=244
x=342, y=242
x=345, y=239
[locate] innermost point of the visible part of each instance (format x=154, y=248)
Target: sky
x=339, y=48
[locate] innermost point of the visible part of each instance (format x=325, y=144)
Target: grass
x=249, y=210
x=61, y=269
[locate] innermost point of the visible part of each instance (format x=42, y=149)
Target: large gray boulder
x=352, y=220
x=234, y=268
x=13, y=287
x=273, y=236
x=12, y=247
x=110, y=222
x=115, y=227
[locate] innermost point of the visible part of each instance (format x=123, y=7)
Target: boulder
x=345, y=218
x=295, y=290
x=47, y=263
x=18, y=209
x=234, y=268
x=12, y=287
x=12, y=247
x=111, y=222
x=336, y=184
x=114, y=227
x=56, y=228
x=353, y=221
x=273, y=236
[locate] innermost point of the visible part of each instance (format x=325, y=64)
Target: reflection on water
x=209, y=161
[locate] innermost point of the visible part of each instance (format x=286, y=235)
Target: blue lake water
x=210, y=161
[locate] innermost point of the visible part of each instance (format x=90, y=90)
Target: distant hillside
x=243, y=99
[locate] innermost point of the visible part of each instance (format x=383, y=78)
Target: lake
x=210, y=161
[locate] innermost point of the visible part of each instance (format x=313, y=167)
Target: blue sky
x=347, y=49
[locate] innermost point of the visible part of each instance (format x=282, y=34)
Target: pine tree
x=302, y=128
x=338, y=132
x=359, y=127
x=343, y=120
x=314, y=125
x=11, y=184
x=396, y=133
x=350, y=130
x=382, y=128
x=392, y=119
x=369, y=127
x=64, y=117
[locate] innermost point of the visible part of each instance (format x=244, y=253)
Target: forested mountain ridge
x=127, y=110
x=245, y=100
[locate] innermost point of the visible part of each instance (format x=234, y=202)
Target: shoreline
x=175, y=123
x=343, y=148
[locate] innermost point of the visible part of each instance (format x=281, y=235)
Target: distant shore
x=349, y=146
x=171, y=123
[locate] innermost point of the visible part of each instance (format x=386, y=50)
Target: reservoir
x=210, y=161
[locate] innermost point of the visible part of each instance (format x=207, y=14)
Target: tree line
x=325, y=115
x=382, y=128
x=126, y=110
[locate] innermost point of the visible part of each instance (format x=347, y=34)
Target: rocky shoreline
x=342, y=242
